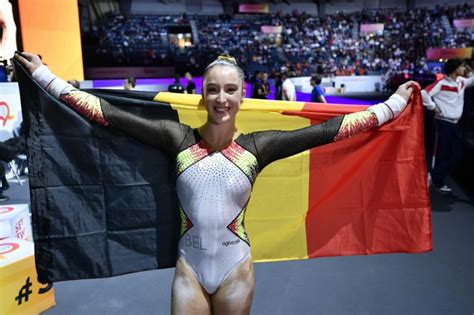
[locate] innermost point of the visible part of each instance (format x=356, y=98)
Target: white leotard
x=213, y=192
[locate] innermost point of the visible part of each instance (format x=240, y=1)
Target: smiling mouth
x=221, y=109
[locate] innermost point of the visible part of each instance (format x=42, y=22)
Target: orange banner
x=253, y=8
x=447, y=53
x=51, y=28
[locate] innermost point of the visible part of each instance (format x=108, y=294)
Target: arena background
x=151, y=40
x=67, y=34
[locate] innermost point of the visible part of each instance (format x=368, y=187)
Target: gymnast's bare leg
x=187, y=295
x=234, y=296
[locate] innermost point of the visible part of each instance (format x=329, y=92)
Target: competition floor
x=439, y=282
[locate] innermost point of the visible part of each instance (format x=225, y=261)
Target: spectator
x=332, y=41
x=176, y=86
x=75, y=83
x=288, y=88
x=317, y=94
x=8, y=151
x=4, y=183
x=191, y=86
x=256, y=81
x=446, y=98
x=262, y=87
x=3, y=71
x=278, y=87
x=129, y=84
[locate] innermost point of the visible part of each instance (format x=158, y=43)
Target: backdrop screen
x=10, y=38
x=50, y=28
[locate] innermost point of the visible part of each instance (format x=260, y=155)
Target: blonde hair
x=225, y=60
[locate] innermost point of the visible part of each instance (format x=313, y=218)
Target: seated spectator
x=176, y=86
x=334, y=41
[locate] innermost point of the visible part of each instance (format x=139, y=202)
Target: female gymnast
x=216, y=167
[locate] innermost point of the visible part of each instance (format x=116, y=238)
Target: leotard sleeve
x=276, y=144
x=165, y=135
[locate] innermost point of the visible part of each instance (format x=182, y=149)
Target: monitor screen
x=10, y=37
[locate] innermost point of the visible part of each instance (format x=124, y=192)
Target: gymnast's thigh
x=187, y=294
x=235, y=294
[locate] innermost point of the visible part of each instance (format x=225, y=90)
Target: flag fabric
x=104, y=204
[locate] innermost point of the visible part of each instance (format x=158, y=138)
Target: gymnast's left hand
x=30, y=61
x=406, y=89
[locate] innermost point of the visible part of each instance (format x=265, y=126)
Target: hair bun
x=227, y=58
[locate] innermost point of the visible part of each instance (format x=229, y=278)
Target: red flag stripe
x=383, y=175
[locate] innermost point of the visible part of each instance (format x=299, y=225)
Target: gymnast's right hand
x=85, y=104
x=42, y=75
x=30, y=61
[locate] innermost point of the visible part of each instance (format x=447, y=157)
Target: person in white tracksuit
x=446, y=98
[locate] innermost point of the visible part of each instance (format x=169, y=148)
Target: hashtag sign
x=24, y=292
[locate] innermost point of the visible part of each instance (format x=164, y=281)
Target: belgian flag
x=104, y=204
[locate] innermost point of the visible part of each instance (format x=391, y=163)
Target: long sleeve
x=428, y=92
x=274, y=145
x=469, y=81
x=427, y=100
x=165, y=135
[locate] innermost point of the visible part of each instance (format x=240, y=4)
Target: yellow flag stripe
x=193, y=101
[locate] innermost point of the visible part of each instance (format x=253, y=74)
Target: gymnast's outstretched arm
x=274, y=145
x=165, y=135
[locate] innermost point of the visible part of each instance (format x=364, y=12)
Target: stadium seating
x=331, y=45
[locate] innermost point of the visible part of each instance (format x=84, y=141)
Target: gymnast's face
x=223, y=93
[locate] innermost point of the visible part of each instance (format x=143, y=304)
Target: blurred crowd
x=330, y=45
x=125, y=40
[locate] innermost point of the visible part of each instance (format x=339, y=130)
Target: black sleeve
x=165, y=135
x=277, y=144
